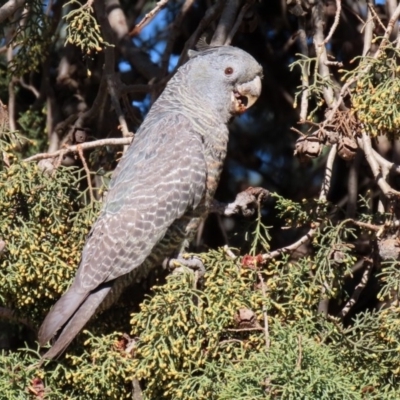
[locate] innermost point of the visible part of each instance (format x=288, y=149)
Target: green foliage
x=102, y=372
x=259, y=236
x=192, y=343
x=376, y=94
x=33, y=124
x=32, y=39
x=299, y=214
x=250, y=329
x=183, y=329
x=44, y=229
x=18, y=373
x=334, y=256
x=389, y=277
x=295, y=367
x=316, y=82
x=83, y=29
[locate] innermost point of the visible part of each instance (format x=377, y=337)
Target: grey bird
x=161, y=189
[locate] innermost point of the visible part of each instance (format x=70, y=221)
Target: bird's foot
x=246, y=203
x=177, y=265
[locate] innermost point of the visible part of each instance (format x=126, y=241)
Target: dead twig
x=83, y=146
x=358, y=289
x=244, y=329
x=387, y=190
x=113, y=90
x=326, y=183
x=291, y=248
x=315, y=227
x=148, y=17
x=305, y=81
x=87, y=171
x=335, y=22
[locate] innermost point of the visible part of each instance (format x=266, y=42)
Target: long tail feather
x=76, y=323
x=60, y=314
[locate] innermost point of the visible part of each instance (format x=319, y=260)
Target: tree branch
x=374, y=165
x=226, y=22
x=211, y=14
x=148, y=17
x=84, y=146
x=320, y=49
x=335, y=22
x=239, y=19
x=8, y=10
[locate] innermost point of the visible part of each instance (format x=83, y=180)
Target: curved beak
x=251, y=90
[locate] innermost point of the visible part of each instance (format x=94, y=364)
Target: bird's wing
x=162, y=176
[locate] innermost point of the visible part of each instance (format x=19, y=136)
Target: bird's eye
x=229, y=71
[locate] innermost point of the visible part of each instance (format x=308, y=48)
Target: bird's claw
x=192, y=262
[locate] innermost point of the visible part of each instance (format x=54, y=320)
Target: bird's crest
x=201, y=47
x=202, y=44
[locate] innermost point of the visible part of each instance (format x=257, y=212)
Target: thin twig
x=59, y=160
x=372, y=13
x=389, y=29
x=390, y=8
x=380, y=180
x=244, y=329
x=289, y=249
x=112, y=86
x=368, y=29
x=314, y=229
x=30, y=87
x=320, y=49
x=326, y=183
x=305, y=81
x=265, y=314
x=87, y=171
x=148, y=17
x=365, y=225
x=383, y=163
x=335, y=22
x=84, y=146
x=239, y=19
x=358, y=289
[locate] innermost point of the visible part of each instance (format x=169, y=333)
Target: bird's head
x=228, y=78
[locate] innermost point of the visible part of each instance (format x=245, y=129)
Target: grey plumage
x=162, y=187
